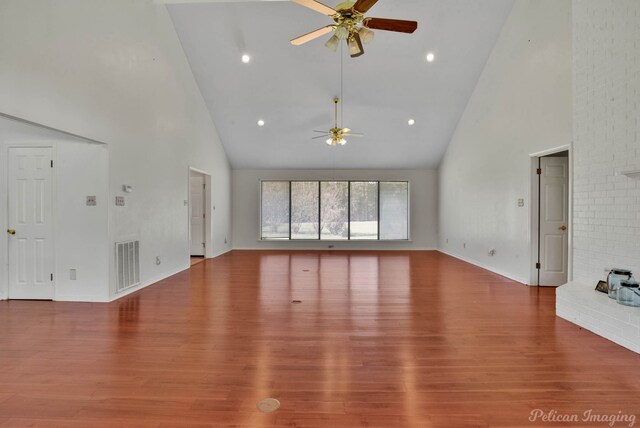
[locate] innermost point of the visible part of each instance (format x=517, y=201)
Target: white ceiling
x=291, y=87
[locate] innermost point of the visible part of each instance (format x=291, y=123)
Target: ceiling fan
x=336, y=135
x=351, y=25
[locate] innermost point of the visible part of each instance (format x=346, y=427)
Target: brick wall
x=606, y=121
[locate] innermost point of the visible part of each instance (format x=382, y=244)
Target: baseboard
x=220, y=254
x=331, y=249
x=150, y=282
x=81, y=298
x=485, y=267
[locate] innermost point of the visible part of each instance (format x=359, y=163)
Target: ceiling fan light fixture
x=342, y=141
x=355, y=45
x=366, y=35
x=333, y=43
x=342, y=32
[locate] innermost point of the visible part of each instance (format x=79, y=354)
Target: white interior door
x=31, y=252
x=198, y=214
x=554, y=213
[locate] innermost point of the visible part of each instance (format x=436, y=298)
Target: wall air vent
x=127, y=265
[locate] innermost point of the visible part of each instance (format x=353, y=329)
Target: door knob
x=11, y=231
x=563, y=228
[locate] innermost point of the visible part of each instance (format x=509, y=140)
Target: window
x=363, y=221
x=394, y=210
x=275, y=210
x=304, y=210
x=334, y=210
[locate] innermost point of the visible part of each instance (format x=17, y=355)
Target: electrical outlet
x=464, y=245
x=521, y=203
x=91, y=201
x=446, y=240
x=225, y=239
x=158, y=261
x=72, y=274
x=492, y=253
x=119, y=201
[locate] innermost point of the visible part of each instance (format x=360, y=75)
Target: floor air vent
x=127, y=264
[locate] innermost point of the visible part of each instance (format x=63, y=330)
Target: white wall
x=521, y=105
x=114, y=71
x=423, y=209
x=606, y=73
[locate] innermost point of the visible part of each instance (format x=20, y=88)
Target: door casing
x=208, y=209
x=533, y=215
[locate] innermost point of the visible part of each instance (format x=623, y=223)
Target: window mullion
x=348, y=211
x=319, y=210
x=378, y=204
x=290, y=208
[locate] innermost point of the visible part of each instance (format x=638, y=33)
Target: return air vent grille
x=127, y=265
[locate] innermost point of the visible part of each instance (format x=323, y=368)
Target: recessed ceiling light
x=246, y=58
x=411, y=122
x=261, y=122
x=431, y=57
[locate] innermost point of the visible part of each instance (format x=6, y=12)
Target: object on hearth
x=613, y=280
x=628, y=293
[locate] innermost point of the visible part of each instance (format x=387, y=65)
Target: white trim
x=228, y=250
x=551, y=151
x=208, y=224
x=149, y=282
x=485, y=267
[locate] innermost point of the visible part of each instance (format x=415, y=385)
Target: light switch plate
x=91, y=201
x=119, y=201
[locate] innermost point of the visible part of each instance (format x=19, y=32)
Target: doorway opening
x=551, y=217
x=199, y=216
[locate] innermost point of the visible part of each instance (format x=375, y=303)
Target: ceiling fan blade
x=363, y=6
x=355, y=46
x=317, y=6
x=345, y=130
x=356, y=134
x=322, y=132
x=321, y=136
x=390, y=25
x=312, y=35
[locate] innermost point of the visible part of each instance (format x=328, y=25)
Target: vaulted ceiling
x=291, y=88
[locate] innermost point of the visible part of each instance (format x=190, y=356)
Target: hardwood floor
x=381, y=339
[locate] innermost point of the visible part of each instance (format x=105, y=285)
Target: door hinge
x=51, y=164
x=539, y=171
x=204, y=215
x=204, y=185
x=204, y=245
x=51, y=277
x=537, y=265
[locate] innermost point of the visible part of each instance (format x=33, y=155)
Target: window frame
x=319, y=239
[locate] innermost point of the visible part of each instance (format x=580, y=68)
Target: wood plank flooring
x=381, y=339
